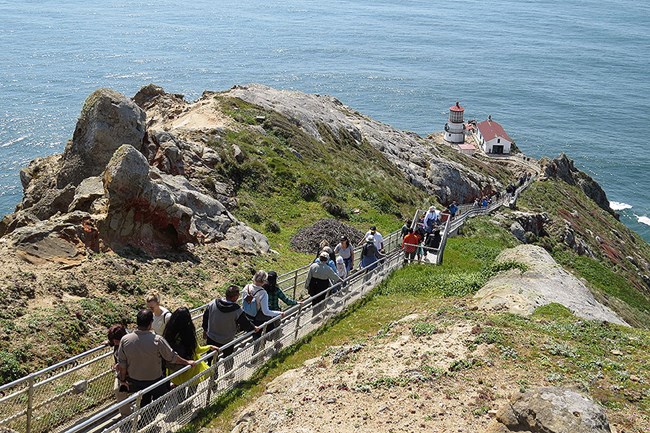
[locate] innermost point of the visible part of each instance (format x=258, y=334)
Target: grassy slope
x=288, y=180
x=550, y=348
x=280, y=192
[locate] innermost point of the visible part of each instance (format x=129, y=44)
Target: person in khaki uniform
x=140, y=356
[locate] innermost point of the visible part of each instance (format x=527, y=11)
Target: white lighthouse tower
x=455, y=128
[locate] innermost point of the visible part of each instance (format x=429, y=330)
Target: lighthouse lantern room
x=455, y=128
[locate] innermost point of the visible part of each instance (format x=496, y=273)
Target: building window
x=498, y=140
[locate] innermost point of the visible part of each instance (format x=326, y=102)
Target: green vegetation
x=10, y=367
x=468, y=264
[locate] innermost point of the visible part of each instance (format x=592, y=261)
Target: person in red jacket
x=409, y=246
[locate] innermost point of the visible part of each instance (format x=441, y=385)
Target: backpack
x=249, y=302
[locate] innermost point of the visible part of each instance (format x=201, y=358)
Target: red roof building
x=492, y=137
x=456, y=107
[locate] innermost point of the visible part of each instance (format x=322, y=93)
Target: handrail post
x=298, y=321
x=213, y=377
x=295, y=283
x=30, y=404
x=136, y=418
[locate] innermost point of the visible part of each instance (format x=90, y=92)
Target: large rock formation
x=563, y=168
x=421, y=163
x=544, y=282
x=104, y=187
x=154, y=210
x=108, y=120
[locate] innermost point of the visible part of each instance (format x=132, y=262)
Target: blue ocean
x=561, y=76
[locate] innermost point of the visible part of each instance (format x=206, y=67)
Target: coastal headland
x=158, y=193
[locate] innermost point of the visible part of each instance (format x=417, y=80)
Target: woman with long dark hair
x=180, y=333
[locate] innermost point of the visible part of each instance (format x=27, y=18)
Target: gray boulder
x=147, y=95
x=243, y=239
x=453, y=182
x=108, y=119
x=543, y=282
x=88, y=191
x=40, y=194
x=59, y=239
x=12, y=221
x=518, y=231
x=551, y=410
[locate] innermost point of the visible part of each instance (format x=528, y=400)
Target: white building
x=455, y=128
x=492, y=137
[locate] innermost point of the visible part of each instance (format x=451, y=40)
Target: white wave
x=14, y=141
x=617, y=205
x=643, y=219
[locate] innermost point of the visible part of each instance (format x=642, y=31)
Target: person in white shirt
x=255, y=293
x=161, y=315
x=341, y=268
x=378, y=238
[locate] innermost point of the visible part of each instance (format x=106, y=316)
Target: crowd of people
x=165, y=341
x=424, y=236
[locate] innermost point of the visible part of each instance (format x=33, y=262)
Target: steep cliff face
x=563, y=168
x=128, y=185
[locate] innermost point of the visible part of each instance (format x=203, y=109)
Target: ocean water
x=560, y=76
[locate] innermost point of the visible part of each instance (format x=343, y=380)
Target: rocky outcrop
x=529, y=227
x=543, y=282
x=118, y=185
x=572, y=240
x=563, y=168
x=154, y=210
x=550, y=410
x=450, y=182
x=62, y=239
x=108, y=120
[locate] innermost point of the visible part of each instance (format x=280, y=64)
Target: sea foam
x=617, y=205
x=643, y=219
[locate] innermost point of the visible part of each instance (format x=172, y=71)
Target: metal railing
x=178, y=406
x=51, y=399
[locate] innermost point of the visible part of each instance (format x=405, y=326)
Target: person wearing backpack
x=370, y=255
x=318, y=280
x=255, y=302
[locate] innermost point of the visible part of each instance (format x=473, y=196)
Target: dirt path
x=395, y=382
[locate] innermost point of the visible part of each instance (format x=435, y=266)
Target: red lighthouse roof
x=490, y=129
x=456, y=107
